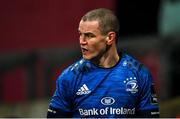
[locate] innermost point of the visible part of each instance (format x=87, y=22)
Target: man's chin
x=86, y=57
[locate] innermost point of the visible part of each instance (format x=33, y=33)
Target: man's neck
x=109, y=59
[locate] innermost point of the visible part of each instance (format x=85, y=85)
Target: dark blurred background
x=39, y=38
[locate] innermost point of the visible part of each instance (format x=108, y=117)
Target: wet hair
x=106, y=19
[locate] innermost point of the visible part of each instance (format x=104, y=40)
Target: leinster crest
x=131, y=85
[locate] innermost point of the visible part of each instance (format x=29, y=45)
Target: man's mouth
x=84, y=50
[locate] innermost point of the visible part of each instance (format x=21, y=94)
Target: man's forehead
x=89, y=23
x=89, y=26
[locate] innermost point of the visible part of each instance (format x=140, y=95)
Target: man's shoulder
x=131, y=62
x=71, y=72
x=134, y=64
x=75, y=67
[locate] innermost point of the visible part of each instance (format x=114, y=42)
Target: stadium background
x=39, y=38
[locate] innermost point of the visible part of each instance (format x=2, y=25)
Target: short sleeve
x=61, y=99
x=148, y=100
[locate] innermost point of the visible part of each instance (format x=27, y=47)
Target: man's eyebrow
x=85, y=32
x=88, y=33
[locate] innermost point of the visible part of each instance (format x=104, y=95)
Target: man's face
x=92, y=42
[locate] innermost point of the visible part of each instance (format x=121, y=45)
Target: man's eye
x=80, y=34
x=90, y=35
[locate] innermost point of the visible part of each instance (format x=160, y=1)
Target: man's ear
x=110, y=38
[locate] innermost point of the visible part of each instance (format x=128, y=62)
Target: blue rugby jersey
x=86, y=90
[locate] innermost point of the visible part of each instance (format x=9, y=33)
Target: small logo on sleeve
x=154, y=97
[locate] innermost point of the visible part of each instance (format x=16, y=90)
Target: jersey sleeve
x=60, y=104
x=148, y=101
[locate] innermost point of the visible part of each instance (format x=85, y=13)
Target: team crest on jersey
x=131, y=85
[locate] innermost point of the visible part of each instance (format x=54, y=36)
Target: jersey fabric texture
x=85, y=90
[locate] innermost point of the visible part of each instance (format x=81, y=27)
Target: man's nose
x=83, y=40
